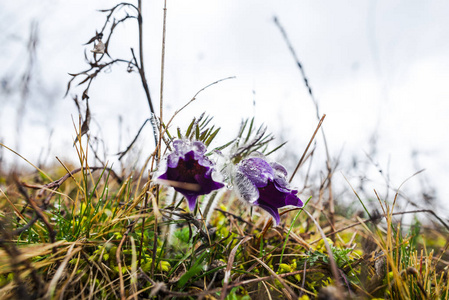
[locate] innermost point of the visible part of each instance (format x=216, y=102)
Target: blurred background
x=379, y=70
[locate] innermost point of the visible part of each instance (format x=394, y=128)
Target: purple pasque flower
x=189, y=171
x=265, y=184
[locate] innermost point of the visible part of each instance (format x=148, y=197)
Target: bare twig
x=179, y=110
x=161, y=102
x=289, y=289
x=193, y=99
x=332, y=262
x=142, y=209
x=307, y=148
x=119, y=262
x=38, y=211
x=229, y=267
x=142, y=67
x=123, y=153
x=57, y=183
x=298, y=63
x=96, y=67
x=315, y=102
x=227, y=213
x=27, y=226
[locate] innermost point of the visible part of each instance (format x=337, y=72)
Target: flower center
x=187, y=169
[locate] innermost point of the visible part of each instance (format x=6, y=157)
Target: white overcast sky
x=374, y=66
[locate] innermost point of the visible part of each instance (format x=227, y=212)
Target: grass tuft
x=109, y=238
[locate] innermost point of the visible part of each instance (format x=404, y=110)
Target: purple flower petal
x=275, y=196
x=279, y=169
x=191, y=200
x=273, y=191
x=199, y=147
x=257, y=170
x=245, y=189
x=187, y=164
x=272, y=211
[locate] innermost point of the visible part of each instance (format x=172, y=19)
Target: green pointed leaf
x=212, y=136
x=189, y=129
x=250, y=130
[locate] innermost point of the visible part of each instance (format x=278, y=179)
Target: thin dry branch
x=57, y=183
x=332, y=262
x=193, y=99
x=229, y=267
x=315, y=102
x=307, y=148
x=141, y=56
x=289, y=289
x=96, y=66
x=119, y=261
